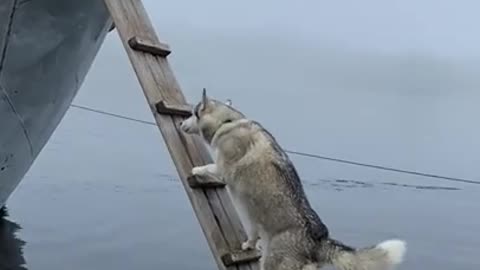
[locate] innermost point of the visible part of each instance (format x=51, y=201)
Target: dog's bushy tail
x=383, y=256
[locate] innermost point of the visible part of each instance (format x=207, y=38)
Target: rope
x=113, y=115
x=305, y=154
x=455, y=179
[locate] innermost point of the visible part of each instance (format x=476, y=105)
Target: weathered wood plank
x=241, y=257
x=144, y=45
x=212, y=208
x=204, y=182
x=121, y=11
x=179, y=110
x=166, y=79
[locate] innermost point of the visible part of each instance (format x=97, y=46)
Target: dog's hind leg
x=252, y=233
x=248, y=223
x=283, y=262
x=277, y=256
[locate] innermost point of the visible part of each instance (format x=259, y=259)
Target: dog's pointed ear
x=228, y=102
x=204, y=96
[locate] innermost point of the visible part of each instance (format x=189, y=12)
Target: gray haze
x=387, y=82
x=391, y=83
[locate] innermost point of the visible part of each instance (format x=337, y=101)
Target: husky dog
x=267, y=193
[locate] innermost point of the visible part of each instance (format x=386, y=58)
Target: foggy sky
x=444, y=28
x=394, y=82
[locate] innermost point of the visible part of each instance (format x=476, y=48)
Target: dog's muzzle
x=189, y=125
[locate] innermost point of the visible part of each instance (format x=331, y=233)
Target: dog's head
x=208, y=116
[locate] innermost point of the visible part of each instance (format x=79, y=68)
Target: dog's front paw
x=258, y=245
x=199, y=170
x=206, y=169
x=249, y=245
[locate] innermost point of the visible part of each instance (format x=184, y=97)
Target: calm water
x=103, y=193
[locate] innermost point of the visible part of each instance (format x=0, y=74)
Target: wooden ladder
x=211, y=203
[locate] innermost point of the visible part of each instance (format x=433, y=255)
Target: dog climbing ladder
x=211, y=203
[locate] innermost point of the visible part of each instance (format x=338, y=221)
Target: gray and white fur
x=270, y=199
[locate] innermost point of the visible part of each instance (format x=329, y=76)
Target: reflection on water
x=343, y=184
x=11, y=248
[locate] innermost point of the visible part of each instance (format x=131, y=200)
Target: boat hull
x=46, y=50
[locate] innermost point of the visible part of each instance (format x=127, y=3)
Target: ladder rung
x=144, y=45
x=239, y=257
x=204, y=182
x=181, y=110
